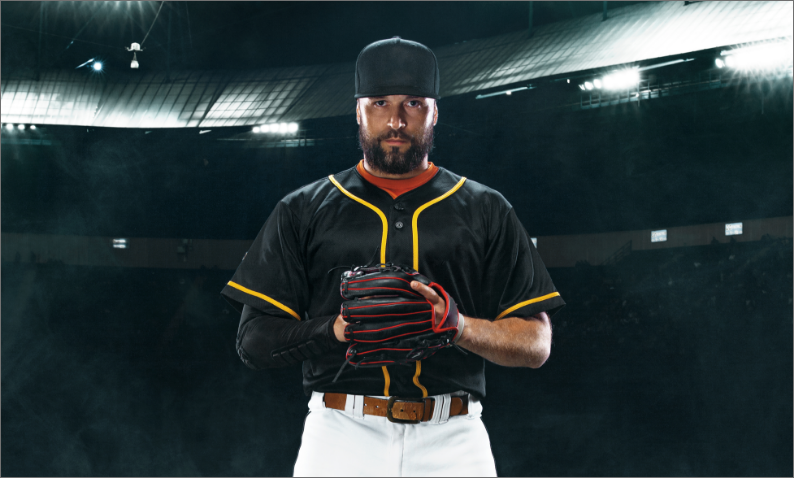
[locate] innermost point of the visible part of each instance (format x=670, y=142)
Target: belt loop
x=441, y=409
x=354, y=406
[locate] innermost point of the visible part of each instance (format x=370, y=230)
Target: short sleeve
x=271, y=276
x=518, y=282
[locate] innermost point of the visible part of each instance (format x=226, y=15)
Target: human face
x=396, y=132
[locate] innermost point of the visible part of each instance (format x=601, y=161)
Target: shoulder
x=313, y=195
x=474, y=194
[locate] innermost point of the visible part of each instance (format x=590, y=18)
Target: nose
x=396, y=119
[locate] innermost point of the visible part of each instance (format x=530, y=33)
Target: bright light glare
x=733, y=229
x=97, y=66
x=282, y=127
x=21, y=127
x=265, y=128
x=588, y=85
x=33, y=127
x=10, y=127
x=719, y=62
x=256, y=129
x=659, y=236
x=293, y=127
x=597, y=83
x=581, y=87
x=766, y=56
x=622, y=80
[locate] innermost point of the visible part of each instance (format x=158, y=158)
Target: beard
x=390, y=160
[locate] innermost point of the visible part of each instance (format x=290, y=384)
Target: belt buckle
x=390, y=415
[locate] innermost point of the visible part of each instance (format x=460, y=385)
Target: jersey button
x=398, y=225
x=399, y=206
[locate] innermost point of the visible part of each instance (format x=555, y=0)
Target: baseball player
x=391, y=282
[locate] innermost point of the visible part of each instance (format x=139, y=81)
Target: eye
x=414, y=103
x=380, y=103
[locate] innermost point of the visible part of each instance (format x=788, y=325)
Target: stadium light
x=659, y=236
x=734, y=229
x=588, y=85
x=9, y=127
x=293, y=127
x=256, y=129
x=719, y=63
x=621, y=80
x=119, y=243
x=97, y=66
x=21, y=127
x=33, y=127
x=765, y=56
x=597, y=83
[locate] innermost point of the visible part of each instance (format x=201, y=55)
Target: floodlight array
x=276, y=128
x=618, y=80
x=760, y=57
x=11, y=127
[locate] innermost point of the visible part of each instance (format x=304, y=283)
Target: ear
x=358, y=113
x=435, y=113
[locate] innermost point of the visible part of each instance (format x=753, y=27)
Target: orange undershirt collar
x=398, y=187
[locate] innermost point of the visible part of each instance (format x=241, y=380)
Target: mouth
x=395, y=142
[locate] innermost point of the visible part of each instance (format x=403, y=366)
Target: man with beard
x=396, y=207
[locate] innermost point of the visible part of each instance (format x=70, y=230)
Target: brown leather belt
x=400, y=410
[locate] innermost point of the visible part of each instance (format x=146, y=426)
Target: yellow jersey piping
x=415, y=231
x=416, y=378
x=386, y=378
x=387, y=381
x=378, y=211
x=527, y=302
x=265, y=298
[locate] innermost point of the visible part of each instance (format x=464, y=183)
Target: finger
x=427, y=292
x=432, y=296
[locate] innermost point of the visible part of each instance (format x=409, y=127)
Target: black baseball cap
x=397, y=67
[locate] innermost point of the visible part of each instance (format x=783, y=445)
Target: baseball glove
x=389, y=322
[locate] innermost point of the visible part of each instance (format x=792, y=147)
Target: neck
x=377, y=172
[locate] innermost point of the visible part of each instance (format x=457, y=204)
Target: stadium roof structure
x=200, y=99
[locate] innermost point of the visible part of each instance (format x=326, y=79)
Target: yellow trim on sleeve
x=386, y=381
x=378, y=211
x=416, y=378
x=527, y=302
x=266, y=298
x=416, y=218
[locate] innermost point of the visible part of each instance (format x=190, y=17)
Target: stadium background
x=666, y=361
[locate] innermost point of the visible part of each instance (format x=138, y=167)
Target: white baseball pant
x=349, y=443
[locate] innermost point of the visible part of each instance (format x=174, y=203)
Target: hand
x=438, y=303
x=339, y=328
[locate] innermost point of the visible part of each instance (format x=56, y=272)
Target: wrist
x=339, y=329
x=461, y=328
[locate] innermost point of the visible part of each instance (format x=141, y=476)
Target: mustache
x=395, y=135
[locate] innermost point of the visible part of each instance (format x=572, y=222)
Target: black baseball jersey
x=457, y=232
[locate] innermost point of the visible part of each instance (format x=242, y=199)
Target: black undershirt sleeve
x=267, y=341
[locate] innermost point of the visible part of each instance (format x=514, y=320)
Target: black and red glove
x=391, y=323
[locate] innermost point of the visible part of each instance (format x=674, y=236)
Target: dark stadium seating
x=115, y=371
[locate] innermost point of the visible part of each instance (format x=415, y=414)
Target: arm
x=267, y=341
x=512, y=341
